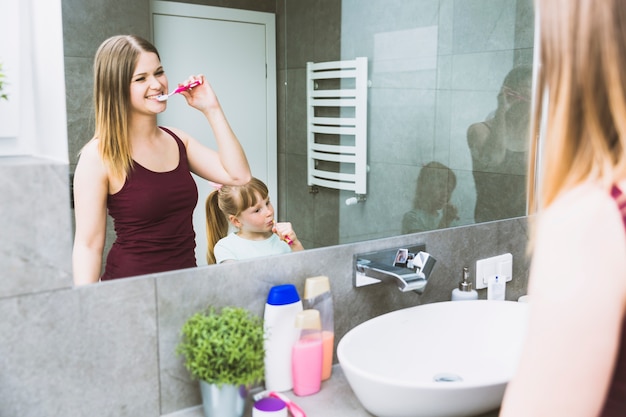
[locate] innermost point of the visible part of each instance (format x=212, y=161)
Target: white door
x=235, y=50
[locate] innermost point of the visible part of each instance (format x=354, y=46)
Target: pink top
x=615, y=405
x=152, y=216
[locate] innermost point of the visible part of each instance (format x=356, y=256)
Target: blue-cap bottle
x=282, y=306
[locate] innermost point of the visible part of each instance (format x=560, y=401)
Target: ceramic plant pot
x=224, y=401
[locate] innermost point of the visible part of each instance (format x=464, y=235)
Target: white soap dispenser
x=465, y=291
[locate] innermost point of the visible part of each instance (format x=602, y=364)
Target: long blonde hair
x=225, y=201
x=113, y=69
x=583, y=56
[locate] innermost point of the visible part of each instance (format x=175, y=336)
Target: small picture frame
x=409, y=261
x=401, y=257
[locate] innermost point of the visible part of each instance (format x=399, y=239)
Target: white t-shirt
x=234, y=248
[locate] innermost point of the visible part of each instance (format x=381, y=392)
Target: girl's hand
x=450, y=214
x=285, y=232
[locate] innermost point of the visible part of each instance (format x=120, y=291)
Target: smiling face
x=148, y=82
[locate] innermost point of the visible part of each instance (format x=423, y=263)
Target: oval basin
x=442, y=359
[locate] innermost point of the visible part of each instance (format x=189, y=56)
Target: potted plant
x=224, y=351
x=2, y=77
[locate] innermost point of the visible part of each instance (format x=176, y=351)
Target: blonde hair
x=226, y=201
x=113, y=69
x=583, y=56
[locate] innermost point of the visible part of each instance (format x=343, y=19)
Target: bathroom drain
x=447, y=377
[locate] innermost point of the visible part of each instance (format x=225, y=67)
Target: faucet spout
x=405, y=278
x=370, y=270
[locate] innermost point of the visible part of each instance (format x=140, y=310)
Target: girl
x=248, y=208
x=141, y=172
x=431, y=205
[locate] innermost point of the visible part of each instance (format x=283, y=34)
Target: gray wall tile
x=80, y=352
x=35, y=248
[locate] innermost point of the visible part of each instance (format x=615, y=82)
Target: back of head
x=229, y=200
x=519, y=79
x=113, y=69
x=583, y=56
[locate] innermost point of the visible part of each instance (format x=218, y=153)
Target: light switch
x=501, y=265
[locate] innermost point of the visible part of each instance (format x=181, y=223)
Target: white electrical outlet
x=501, y=265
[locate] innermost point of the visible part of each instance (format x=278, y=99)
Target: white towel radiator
x=337, y=125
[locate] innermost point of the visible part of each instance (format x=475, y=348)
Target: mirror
x=436, y=70
x=436, y=74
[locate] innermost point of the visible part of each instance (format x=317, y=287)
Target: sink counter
x=335, y=399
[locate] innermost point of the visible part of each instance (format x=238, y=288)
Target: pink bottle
x=317, y=296
x=306, y=357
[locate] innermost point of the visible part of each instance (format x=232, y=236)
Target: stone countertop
x=335, y=399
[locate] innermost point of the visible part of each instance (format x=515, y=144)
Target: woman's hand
x=201, y=97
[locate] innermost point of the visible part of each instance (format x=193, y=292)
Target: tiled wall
x=436, y=67
x=108, y=349
x=419, y=110
x=35, y=246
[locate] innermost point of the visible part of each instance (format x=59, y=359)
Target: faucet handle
x=424, y=262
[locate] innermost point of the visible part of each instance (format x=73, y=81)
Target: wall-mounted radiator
x=337, y=125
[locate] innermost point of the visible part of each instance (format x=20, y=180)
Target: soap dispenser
x=465, y=291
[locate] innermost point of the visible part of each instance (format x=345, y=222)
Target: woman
x=499, y=150
x=574, y=359
x=140, y=172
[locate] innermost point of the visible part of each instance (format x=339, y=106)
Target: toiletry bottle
x=307, y=354
x=317, y=295
x=496, y=288
x=282, y=306
x=465, y=291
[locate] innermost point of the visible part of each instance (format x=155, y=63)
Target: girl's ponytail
x=216, y=225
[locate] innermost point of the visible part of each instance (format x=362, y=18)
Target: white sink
x=441, y=359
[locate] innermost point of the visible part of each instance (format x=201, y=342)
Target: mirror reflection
x=240, y=224
x=499, y=149
x=437, y=100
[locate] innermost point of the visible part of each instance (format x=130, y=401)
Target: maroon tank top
x=152, y=216
x=615, y=405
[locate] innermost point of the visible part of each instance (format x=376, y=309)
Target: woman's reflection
x=140, y=172
x=499, y=148
x=431, y=204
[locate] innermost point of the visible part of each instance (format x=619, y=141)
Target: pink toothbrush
x=164, y=97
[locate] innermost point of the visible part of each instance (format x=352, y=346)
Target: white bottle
x=282, y=306
x=465, y=291
x=496, y=288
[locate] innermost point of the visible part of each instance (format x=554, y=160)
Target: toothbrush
x=164, y=97
x=293, y=408
x=287, y=239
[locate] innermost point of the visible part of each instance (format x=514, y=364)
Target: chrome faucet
x=409, y=268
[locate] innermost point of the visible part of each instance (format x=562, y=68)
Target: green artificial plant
x=224, y=347
x=2, y=77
